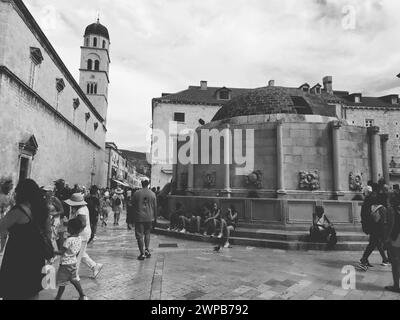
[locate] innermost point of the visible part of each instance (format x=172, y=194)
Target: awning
x=121, y=183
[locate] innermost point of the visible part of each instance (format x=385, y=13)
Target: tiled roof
x=269, y=100
x=194, y=95
x=370, y=102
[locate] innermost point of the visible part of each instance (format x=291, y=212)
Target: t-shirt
x=73, y=246
x=87, y=232
x=145, y=205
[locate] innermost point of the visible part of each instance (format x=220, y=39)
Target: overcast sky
x=166, y=45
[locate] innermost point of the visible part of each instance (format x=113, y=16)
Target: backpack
x=365, y=218
x=118, y=201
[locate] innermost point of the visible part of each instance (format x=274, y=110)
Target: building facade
x=50, y=127
x=120, y=170
x=381, y=112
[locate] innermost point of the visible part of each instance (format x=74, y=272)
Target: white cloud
x=165, y=46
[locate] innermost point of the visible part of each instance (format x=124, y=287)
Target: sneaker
x=141, y=257
x=183, y=231
x=227, y=245
x=393, y=289
x=147, y=254
x=83, y=298
x=385, y=264
x=219, y=236
x=363, y=266
x=97, y=270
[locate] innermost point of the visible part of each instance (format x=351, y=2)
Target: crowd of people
x=380, y=217
x=210, y=220
x=39, y=224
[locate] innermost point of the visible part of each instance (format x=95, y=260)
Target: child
x=106, y=209
x=55, y=224
x=68, y=262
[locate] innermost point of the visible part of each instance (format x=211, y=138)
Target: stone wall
x=63, y=152
x=307, y=147
x=278, y=212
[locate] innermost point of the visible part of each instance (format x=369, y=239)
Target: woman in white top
x=80, y=210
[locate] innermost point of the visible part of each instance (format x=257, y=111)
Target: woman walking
x=24, y=257
x=79, y=210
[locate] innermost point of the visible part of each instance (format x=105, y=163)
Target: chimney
x=271, y=83
x=203, y=85
x=328, y=84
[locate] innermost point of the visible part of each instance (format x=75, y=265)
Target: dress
x=21, y=270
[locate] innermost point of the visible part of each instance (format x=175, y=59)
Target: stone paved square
x=192, y=271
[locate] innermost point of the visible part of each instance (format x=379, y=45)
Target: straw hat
x=76, y=200
x=48, y=188
x=119, y=191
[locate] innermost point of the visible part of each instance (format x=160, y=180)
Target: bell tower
x=95, y=65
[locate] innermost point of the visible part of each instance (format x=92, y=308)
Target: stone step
x=267, y=242
x=297, y=227
x=289, y=235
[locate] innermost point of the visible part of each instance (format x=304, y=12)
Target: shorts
x=65, y=274
x=142, y=228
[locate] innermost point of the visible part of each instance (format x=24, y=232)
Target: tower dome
x=98, y=29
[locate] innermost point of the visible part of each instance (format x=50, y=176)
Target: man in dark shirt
x=93, y=204
x=145, y=213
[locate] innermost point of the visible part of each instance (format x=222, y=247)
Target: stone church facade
x=51, y=127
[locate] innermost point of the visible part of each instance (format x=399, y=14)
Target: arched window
x=97, y=65
x=88, y=88
x=104, y=44
x=91, y=88
x=87, y=42
x=94, y=42
x=95, y=88
x=89, y=64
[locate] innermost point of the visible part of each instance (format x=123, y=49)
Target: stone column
x=193, y=161
x=374, y=136
x=227, y=160
x=385, y=162
x=336, y=125
x=280, y=159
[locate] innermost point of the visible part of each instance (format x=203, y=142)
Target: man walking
x=145, y=212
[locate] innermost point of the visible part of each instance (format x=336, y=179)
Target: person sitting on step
x=228, y=225
x=322, y=229
x=214, y=222
x=175, y=221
